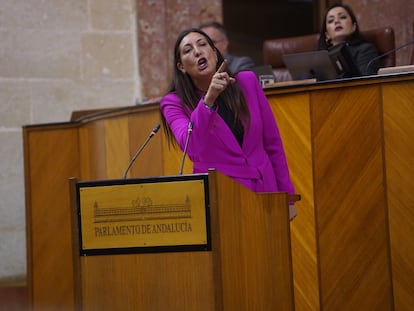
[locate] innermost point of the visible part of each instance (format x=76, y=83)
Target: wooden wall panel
x=350, y=199
x=150, y=162
x=154, y=272
x=98, y=146
x=173, y=157
x=116, y=137
x=293, y=118
x=51, y=155
x=340, y=176
x=367, y=177
x=248, y=267
x=251, y=247
x=399, y=154
x=92, y=157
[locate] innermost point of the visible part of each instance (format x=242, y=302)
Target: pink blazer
x=260, y=164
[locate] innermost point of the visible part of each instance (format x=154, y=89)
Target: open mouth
x=202, y=63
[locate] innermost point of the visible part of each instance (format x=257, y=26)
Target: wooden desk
x=349, y=147
x=238, y=274
x=97, y=145
x=350, y=150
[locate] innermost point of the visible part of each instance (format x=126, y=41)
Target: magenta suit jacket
x=260, y=164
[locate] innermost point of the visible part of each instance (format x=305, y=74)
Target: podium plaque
x=144, y=215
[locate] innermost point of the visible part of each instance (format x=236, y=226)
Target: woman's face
x=198, y=58
x=339, y=25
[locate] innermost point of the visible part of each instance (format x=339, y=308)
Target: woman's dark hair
x=323, y=42
x=183, y=86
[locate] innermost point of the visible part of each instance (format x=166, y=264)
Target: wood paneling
x=152, y=272
x=251, y=245
x=51, y=156
x=399, y=154
x=98, y=146
x=350, y=205
x=349, y=149
x=92, y=151
x=249, y=266
x=293, y=118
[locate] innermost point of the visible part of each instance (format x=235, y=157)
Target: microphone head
x=156, y=128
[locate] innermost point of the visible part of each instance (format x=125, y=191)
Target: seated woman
x=340, y=27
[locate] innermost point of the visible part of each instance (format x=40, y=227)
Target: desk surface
x=309, y=85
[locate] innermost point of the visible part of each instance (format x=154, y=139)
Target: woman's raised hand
x=218, y=84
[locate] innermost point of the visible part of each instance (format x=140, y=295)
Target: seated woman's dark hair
x=323, y=42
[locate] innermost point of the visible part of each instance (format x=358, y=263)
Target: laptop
x=310, y=65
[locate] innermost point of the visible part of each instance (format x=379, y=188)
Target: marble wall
x=159, y=23
x=395, y=13
x=58, y=56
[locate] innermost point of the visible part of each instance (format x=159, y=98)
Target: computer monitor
x=322, y=65
x=310, y=65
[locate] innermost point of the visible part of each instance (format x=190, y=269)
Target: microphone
x=387, y=53
x=190, y=129
x=153, y=132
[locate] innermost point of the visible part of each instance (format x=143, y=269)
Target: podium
x=232, y=253
x=352, y=165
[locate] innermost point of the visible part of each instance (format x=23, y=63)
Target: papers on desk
x=290, y=83
x=396, y=69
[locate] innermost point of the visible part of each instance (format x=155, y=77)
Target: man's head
x=217, y=33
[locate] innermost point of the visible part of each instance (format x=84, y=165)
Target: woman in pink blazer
x=234, y=130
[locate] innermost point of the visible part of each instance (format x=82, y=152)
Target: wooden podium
x=242, y=262
x=349, y=149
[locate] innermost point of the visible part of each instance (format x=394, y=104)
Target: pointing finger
x=222, y=66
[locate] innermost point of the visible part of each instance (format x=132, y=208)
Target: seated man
x=217, y=33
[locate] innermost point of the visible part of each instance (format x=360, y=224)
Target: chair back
x=384, y=40
x=273, y=49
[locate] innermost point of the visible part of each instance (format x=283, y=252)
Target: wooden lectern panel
x=310, y=118
x=97, y=147
x=248, y=267
x=251, y=247
x=51, y=154
x=399, y=154
x=143, y=282
x=350, y=200
x=292, y=113
x=349, y=149
x=109, y=143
